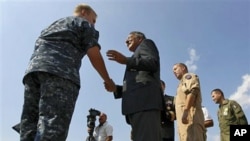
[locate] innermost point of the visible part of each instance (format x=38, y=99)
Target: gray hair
x=138, y=34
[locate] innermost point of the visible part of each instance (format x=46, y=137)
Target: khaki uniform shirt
x=230, y=113
x=194, y=130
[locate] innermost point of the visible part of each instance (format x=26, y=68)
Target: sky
x=211, y=36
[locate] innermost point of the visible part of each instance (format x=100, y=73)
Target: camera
x=91, y=118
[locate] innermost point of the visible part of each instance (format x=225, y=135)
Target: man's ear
x=84, y=12
x=140, y=39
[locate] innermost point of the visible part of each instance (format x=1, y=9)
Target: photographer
x=104, y=131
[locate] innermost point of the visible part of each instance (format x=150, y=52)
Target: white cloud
x=193, y=58
x=215, y=138
x=242, y=94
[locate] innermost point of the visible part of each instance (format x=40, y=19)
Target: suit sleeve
x=145, y=58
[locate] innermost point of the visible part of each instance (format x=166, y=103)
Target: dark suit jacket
x=141, y=88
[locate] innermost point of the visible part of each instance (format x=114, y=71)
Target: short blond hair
x=83, y=6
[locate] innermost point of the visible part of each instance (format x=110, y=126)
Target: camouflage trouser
x=49, y=103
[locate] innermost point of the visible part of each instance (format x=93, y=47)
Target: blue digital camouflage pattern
x=48, y=108
x=61, y=46
x=52, y=80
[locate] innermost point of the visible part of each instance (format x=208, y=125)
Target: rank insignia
x=225, y=112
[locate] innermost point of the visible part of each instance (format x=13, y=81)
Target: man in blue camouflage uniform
x=52, y=80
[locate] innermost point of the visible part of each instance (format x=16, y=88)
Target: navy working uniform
x=52, y=80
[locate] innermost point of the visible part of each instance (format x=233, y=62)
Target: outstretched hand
x=116, y=56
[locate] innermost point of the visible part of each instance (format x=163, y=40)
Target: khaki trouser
x=193, y=131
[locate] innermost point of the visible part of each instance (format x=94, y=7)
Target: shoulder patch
x=188, y=76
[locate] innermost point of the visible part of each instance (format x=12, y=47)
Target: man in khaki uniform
x=229, y=113
x=189, y=115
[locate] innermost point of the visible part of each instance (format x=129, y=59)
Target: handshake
x=114, y=55
x=110, y=85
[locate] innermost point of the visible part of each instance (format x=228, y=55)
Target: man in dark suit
x=142, y=99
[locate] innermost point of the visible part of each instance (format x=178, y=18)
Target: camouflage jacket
x=230, y=113
x=61, y=47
